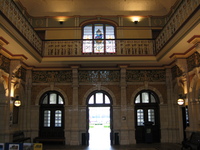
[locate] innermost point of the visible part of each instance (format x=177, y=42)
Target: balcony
x=50, y=49
x=107, y=47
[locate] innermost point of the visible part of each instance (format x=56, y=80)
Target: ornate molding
x=95, y=76
x=195, y=40
x=3, y=41
x=146, y=75
x=51, y=76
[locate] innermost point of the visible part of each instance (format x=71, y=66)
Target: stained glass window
x=98, y=38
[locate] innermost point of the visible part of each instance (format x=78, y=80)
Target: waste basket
x=116, y=138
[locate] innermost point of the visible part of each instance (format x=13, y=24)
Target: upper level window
x=98, y=38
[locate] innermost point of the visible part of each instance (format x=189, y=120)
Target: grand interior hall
x=96, y=73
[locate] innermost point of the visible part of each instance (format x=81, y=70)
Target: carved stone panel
x=52, y=76
x=146, y=75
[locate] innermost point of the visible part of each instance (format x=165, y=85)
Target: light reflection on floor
x=99, y=138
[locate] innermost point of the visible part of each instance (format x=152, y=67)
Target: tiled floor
x=116, y=147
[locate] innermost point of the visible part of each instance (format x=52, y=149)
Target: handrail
x=117, y=47
x=12, y=12
x=180, y=15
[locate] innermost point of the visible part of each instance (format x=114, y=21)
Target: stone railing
x=122, y=47
x=11, y=11
x=180, y=15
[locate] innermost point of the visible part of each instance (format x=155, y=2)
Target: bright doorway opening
x=99, y=127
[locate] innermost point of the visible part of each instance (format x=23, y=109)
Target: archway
x=147, y=123
x=99, y=119
x=51, y=115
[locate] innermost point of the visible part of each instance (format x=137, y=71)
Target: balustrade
x=11, y=11
x=181, y=14
x=122, y=47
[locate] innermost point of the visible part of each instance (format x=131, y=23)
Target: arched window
x=99, y=98
x=51, y=115
x=98, y=38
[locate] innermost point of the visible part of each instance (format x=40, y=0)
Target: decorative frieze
x=99, y=76
x=4, y=63
x=51, y=76
x=146, y=75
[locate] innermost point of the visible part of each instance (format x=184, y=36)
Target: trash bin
x=148, y=132
x=116, y=138
x=84, y=138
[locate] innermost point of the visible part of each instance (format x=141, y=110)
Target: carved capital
x=14, y=65
x=182, y=64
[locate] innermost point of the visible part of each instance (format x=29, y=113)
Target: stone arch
x=101, y=88
x=50, y=89
x=149, y=88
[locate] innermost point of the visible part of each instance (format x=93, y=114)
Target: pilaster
x=124, y=134
x=5, y=111
x=75, y=111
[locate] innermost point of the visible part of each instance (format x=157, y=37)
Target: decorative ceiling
x=39, y=8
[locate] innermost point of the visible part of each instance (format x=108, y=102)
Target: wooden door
x=147, y=111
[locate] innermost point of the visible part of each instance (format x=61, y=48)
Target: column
x=5, y=111
x=124, y=136
x=75, y=111
x=27, y=103
x=184, y=84
x=174, y=113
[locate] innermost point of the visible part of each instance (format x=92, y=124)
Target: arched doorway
x=51, y=115
x=147, y=123
x=99, y=119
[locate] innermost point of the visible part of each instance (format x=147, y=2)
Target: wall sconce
x=17, y=102
x=180, y=100
x=61, y=22
x=136, y=20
